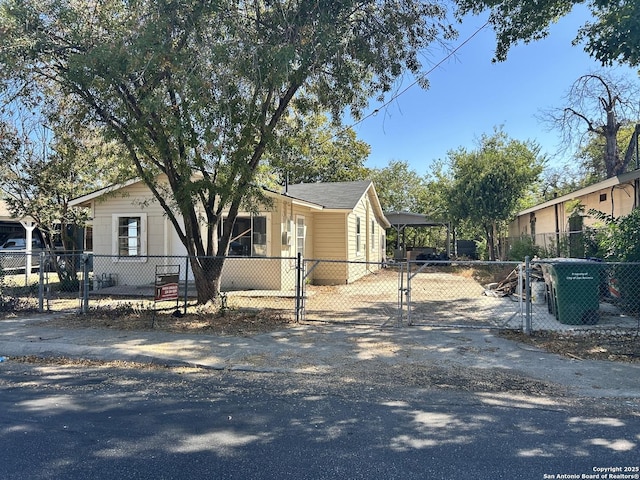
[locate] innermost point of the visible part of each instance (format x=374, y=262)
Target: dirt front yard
x=373, y=300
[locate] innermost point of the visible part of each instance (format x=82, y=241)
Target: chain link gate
x=572, y=295
x=459, y=294
x=437, y=293
x=340, y=292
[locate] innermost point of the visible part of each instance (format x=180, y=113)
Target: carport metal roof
x=407, y=219
x=401, y=220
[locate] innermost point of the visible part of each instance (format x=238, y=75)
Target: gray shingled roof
x=339, y=195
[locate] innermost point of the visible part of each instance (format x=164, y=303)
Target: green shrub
x=523, y=247
x=619, y=242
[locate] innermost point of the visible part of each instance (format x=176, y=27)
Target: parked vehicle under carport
x=13, y=254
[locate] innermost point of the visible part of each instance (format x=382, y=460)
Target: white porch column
x=29, y=226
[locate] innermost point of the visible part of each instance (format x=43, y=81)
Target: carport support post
x=29, y=227
x=527, y=293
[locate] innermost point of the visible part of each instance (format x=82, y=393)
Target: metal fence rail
x=558, y=294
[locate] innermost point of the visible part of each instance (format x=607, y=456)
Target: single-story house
x=130, y=235
x=555, y=220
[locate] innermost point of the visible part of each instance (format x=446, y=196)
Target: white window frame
x=358, y=236
x=115, y=234
x=372, y=236
x=298, y=236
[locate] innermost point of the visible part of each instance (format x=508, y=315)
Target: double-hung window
x=129, y=232
x=372, y=234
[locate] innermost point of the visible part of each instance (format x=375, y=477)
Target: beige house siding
x=328, y=234
x=128, y=271
x=364, y=256
x=615, y=196
x=252, y=273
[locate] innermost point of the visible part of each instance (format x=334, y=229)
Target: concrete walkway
x=318, y=349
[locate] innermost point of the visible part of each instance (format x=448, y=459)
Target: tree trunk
x=491, y=248
x=612, y=154
x=64, y=263
x=207, y=273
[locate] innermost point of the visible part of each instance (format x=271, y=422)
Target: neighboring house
x=552, y=222
x=334, y=221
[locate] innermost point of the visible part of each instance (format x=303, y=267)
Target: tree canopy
x=399, y=187
x=44, y=168
x=597, y=107
x=196, y=90
x=311, y=149
x=485, y=186
x=612, y=36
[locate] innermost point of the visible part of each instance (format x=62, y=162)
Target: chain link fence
x=465, y=294
x=373, y=297
x=540, y=295
x=588, y=294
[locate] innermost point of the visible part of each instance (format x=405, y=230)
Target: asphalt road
x=75, y=421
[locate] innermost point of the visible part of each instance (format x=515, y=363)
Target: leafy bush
x=524, y=247
x=619, y=243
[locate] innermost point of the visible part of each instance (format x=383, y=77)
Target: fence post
x=407, y=292
x=299, y=292
x=400, y=294
x=41, y=283
x=85, y=282
x=186, y=283
x=527, y=290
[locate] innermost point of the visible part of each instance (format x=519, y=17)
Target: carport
x=400, y=221
x=27, y=223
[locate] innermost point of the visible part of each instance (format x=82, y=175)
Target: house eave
x=384, y=221
x=596, y=187
x=85, y=200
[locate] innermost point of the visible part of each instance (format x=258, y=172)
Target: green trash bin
x=574, y=287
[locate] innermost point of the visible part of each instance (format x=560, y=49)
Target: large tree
x=485, y=186
x=592, y=161
x=399, y=187
x=611, y=36
x=43, y=169
x=311, y=149
x=597, y=107
x=402, y=189
x=196, y=90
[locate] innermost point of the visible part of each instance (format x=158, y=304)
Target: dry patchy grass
x=199, y=321
x=583, y=345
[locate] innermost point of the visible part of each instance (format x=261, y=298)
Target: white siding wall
x=127, y=202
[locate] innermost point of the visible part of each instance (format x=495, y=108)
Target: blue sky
x=469, y=96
